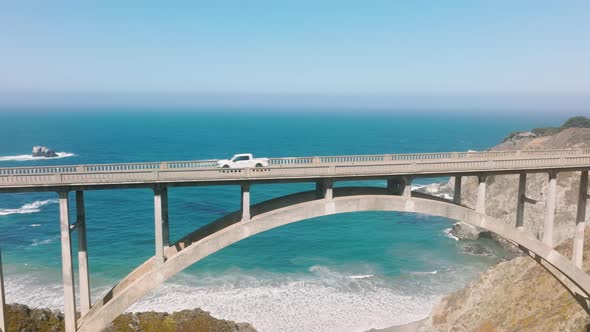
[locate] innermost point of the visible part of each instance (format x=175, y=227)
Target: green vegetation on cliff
x=23, y=318
x=574, y=122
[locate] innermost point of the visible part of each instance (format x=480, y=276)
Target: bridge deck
x=101, y=176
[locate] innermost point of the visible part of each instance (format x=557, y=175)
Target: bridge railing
x=296, y=167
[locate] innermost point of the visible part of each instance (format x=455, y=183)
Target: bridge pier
x=66, y=263
x=520, y=200
x=246, y=202
x=2, y=299
x=480, y=207
x=578, y=249
x=457, y=190
x=325, y=189
x=550, y=212
x=400, y=185
x=82, y=254
x=162, y=233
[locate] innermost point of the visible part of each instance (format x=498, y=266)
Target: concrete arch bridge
x=397, y=170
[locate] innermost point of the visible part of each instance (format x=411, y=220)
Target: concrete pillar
x=550, y=212
x=392, y=185
x=66, y=264
x=245, y=202
x=520, y=200
x=457, y=190
x=578, y=249
x=3, y=318
x=480, y=207
x=400, y=185
x=407, y=186
x=82, y=254
x=162, y=237
x=325, y=189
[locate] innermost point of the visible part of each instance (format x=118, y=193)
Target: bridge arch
x=297, y=207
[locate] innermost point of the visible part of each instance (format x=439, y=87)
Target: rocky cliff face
x=519, y=295
x=501, y=190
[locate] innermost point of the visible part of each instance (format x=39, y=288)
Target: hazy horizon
x=459, y=55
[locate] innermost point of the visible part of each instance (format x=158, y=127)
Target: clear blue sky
x=531, y=49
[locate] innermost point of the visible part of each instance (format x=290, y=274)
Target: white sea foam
x=425, y=272
x=295, y=306
x=362, y=276
x=37, y=242
x=310, y=304
x=35, y=225
x=28, y=157
x=433, y=189
x=28, y=208
x=450, y=235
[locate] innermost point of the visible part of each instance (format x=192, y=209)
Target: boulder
x=464, y=231
x=43, y=151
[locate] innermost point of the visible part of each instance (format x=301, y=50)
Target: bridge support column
x=407, y=186
x=520, y=200
x=578, y=250
x=3, y=317
x=550, y=212
x=457, y=190
x=480, y=207
x=162, y=232
x=246, y=202
x=325, y=189
x=400, y=185
x=66, y=263
x=82, y=254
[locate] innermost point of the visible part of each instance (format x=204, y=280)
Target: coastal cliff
x=501, y=192
x=519, y=295
x=516, y=295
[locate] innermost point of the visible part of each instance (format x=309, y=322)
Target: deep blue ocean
x=347, y=272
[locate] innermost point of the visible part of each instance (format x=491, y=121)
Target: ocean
x=348, y=272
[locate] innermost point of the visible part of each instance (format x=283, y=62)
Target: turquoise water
x=339, y=273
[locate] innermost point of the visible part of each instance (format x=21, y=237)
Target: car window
x=242, y=158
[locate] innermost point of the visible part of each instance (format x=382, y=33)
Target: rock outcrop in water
x=519, y=295
x=43, y=151
x=23, y=318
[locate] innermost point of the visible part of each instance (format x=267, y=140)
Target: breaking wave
x=28, y=208
x=28, y=157
x=449, y=234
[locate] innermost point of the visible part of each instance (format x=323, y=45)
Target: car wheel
x=258, y=165
x=225, y=166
